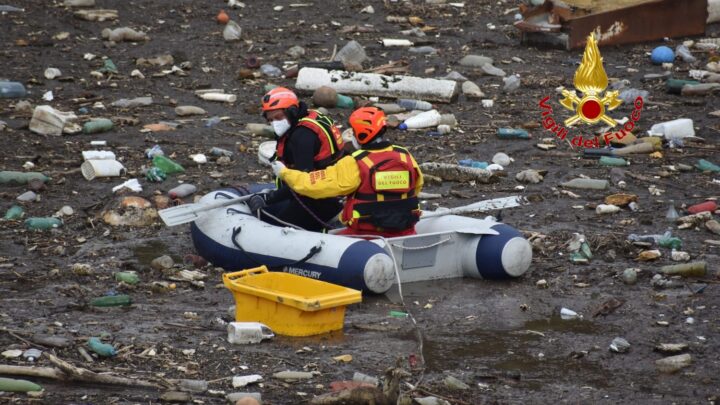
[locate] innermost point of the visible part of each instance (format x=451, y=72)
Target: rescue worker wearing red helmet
x=381, y=181
x=307, y=140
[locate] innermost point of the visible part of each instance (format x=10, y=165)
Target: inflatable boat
x=445, y=246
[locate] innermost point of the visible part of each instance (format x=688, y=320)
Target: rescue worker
x=307, y=140
x=381, y=181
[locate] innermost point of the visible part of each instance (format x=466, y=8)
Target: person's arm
x=420, y=180
x=342, y=178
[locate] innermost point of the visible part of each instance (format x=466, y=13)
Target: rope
x=421, y=247
x=271, y=216
x=309, y=211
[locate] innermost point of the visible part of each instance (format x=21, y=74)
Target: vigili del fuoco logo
x=591, y=80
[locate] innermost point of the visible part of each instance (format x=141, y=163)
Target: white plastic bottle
x=425, y=119
x=248, y=332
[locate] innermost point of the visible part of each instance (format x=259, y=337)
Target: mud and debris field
x=504, y=339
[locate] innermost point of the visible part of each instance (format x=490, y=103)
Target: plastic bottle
x=128, y=277
x=155, y=174
x=12, y=90
x=512, y=133
x=674, y=86
x=473, y=163
x=212, y=122
x=248, y=332
x=695, y=269
x=617, y=177
x=102, y=349
x=409, y=104
x=512, y=83
x=702, y=207
x=679, y=128
x=671, y=213
x=612, y=161
x=702, y=165
x=43, y=223
x=111, y=301
x=344, y=102
x=97, y=125
x=130, y=103
x=423, y=120
x=422, y=50
x=154, y=151
x=630, y=95
x=270, y=70
x=590, y=184
x=671, y=242
x=215, y=151
x=19, y=178
x=167, y=165
x=683, y=52
x=182, y=190
x=31, y=354
x=15, y=212
x=14, y=385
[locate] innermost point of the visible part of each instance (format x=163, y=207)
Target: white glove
x=277, y=167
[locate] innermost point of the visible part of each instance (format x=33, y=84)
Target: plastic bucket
x=101, y=168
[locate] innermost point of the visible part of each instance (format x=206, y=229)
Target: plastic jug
x=680, y=128
x=423, y=120
x=248, y=332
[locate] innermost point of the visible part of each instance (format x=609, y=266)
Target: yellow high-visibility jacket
x=342, y=178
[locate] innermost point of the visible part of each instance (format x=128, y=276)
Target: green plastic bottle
x=102, y=349
x=512, y=133
x=128, y=277
x=15, y=212
x=671, y=242
x=344, y=102
x=43, y=223
x=398, y=314
x=97, y=125
x=13, y=385
x=19, y=178
x=612, y=161
x=706, y=166
x=674, y=86
x=167, y=165
x=112, y=301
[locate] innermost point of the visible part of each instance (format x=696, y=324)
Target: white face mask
x=355, y=143
x=280, y=127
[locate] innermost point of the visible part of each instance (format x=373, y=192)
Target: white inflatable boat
x=445, y=247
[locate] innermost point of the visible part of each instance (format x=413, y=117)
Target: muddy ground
x=504, y=339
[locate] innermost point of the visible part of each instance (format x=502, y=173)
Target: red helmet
x=367, y=123
x=279, y=98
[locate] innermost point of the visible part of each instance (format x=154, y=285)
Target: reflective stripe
x=329, y=137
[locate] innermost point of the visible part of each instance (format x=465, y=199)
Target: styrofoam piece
x=98, y=155
x=373, y=84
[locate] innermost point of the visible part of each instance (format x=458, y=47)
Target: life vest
x=331, y=142
x=386, y=197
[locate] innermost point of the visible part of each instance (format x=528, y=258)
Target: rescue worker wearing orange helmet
x=306, y=140
x=381, y=181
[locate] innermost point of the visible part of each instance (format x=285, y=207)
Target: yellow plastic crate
x=289, y=304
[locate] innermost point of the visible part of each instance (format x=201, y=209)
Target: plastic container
x=242, y=333
x=97, y=125
x=684, y=53
x=92, y=169
x=702, y=207
x=289, y=304
x=352, y=53
x=512, y=133
x=102, y=349
x=12, y=90
x=425, y=119
x=111, y=301
x=167, y=165
x=409, y=104
x=15, y=212
x=182, y=190
x=98, y=155
x=588, y=184
x=43, y=223
x=128, y=277
x=680, y=128
x=20, y=178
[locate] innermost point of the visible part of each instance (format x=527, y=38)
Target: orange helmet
x=367, y=123
x=279, y=98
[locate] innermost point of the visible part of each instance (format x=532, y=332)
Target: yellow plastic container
x=289, y=304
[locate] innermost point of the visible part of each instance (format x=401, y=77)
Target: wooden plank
x=596, y=6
